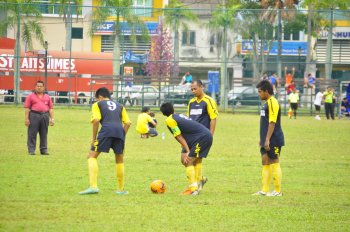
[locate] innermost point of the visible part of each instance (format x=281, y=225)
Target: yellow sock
x=190, y=173
x=277, y=176
x=266, y=178
x=198, y=172
x=93, y=172
x=120, y=176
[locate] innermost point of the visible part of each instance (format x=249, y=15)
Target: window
x=189, y=38
x=212, y=43
x=143, y=8
x=77, y=33
x=291, y=36
x=46, y=7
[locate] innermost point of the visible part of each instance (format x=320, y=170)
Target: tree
x=176, y=15
x=160, y=58
x=316, y=21
x=118, y=11
x=23, y=17
x=259, y=20
x=66, y=8
x=223, y=17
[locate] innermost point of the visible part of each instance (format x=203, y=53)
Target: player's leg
x=276, y=170
x=118, y=148
x=93, y=173
x=327, y=108
x=202, y=151
x=265, y=174
x=191, y=175
x=152, y=132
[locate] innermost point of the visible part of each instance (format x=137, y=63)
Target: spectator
x=128, y=93
x=274, y=82
x=310, y=82
x=186, y=79
x=289, y=76
x=328, y=102
x=317, y=103
x=345, y=108
x=38, y=115
x=290, y=87
x=142, y=124
x=293, y=100
x=264, y=77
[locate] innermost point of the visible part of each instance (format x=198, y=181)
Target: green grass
x=40, y=193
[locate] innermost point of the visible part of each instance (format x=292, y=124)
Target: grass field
x=40, y=193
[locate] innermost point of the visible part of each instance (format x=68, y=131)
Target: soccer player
x=202, y=109
x=143, y=121
x=115, y=124
x=195, y=140
x=271, y=140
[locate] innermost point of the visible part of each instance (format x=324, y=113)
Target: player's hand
x=267, y=145
x=27, y=122
x=52, y=121
x=93, y=142
x=185, y=158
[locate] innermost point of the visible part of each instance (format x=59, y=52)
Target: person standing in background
x=38, y=115
x=328, y=103
x=317, y=103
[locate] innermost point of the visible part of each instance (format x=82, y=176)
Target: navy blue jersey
x=192, y=131
x=111, y=115
x=271, y=112
x=202, y=111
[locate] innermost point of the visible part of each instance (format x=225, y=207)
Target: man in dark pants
x=38, y=115
x=328, y=102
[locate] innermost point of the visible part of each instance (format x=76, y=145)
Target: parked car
x=248, y=96
x=232, y=94
x=149, y=94
x=176, y=94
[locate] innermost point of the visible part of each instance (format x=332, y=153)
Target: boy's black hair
x=151, y=114
x=103, y=92
x=265, y=85
x=167, y=109
x=199, y=82
x=145, y=109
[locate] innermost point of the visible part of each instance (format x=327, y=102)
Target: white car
x=148, y=93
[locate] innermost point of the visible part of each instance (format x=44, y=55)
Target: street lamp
x=46, y=45
x=299, y=54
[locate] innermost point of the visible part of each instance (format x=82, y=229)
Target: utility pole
x=328, y=66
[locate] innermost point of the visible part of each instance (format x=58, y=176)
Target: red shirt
x=40, y=104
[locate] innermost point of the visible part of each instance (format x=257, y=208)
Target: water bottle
x=163, y=135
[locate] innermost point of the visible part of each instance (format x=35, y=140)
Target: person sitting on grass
x=143, y=121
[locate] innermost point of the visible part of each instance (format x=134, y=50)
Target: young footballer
x=143, y=121
x=202, y=109
x=195, y=140
x=271, y=140
x=115, y=124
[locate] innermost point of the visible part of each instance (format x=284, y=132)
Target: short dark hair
x=199, y=82
x=151, y=114
x=167, y=108
x=103, y=92
x=145, y=109
x=265, y=85
x=40, y=82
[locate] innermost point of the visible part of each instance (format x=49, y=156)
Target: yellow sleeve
x=125, y=117
x=172, y=124
x=149, y=118
x=273, y=110
x=95, y=112
x=211, y=108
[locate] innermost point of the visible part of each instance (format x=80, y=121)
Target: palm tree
x=223, y=18
x=176, y=15
x=66, y=8
x=23, y=17
x=118, y=11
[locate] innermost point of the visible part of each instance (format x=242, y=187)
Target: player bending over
x=195, y=140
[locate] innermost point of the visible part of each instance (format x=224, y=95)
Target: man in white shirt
x=317, y=103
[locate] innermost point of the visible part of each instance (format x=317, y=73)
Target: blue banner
x=213, y=81
x=108, y=28
x=292, y=48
